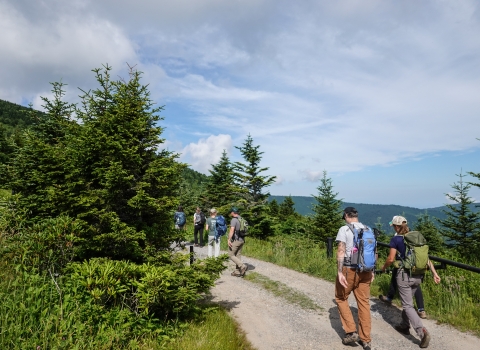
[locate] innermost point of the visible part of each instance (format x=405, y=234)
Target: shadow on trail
x=389, y=313
x=336, y=324
x=392, y=315
x=226, y=304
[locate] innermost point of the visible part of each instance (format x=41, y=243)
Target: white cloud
x=205, y=152
x=61, y=46
x=320, y=85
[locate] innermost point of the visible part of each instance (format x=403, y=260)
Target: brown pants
x=359, y=283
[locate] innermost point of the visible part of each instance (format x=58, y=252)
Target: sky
x=382, y=95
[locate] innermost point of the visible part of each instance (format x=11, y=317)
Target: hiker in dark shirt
x=407, y=282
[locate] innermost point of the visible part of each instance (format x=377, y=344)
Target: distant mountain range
x=369, y=213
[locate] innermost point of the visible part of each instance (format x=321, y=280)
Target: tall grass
x=456, y=300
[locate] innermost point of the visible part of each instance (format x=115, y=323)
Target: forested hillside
x=13, y=116
x=370, y=213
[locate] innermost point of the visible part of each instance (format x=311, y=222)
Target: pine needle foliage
x=461, y=225
x=253, y=198
x=103, y=165
x=327, y=217
x=221, y=189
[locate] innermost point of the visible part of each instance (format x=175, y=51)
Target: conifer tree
x=253, y=185
x=274, y=208
x=221, y=189
x=129, y=186
x=107, y=172
x=427, y=227
x=287, y=207
x=327, y=217
x=461, y=226
x=40, y=168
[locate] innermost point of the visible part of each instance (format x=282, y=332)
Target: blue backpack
x=220, y=227
x=364, y=255
x=180, y=218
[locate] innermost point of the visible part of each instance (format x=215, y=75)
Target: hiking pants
x=213, y=246
x=393, y=290
x=407, y=286
x=359, y=283
x=235, y=253
x=198, y=229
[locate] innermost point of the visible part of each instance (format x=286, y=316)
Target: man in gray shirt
x=350, y=280
x=235, y=244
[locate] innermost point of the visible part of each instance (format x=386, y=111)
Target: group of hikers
x=216, y=227
x=356, y=263
x=409, y=256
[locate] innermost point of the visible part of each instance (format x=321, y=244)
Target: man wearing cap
x=348, y=280
x=235, y=244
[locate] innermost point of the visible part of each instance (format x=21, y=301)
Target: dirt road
x=272, y=323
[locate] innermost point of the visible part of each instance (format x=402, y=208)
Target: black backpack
x=202, y=218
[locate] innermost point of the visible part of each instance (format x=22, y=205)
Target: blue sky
x=383, y=95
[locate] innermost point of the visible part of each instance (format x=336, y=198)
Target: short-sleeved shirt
x=211, y=222
x=398, y=243
x=346, y=235
x=235, y=223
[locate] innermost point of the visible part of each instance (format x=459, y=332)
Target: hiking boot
x=425, y=339
x=403, y=329
x=350, y=338
x=236, y=273
x=243, y=269
x=422, y=314
x=365, y=345
x=385, y=299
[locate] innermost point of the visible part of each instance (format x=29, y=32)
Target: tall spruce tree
x=221, y=189
x=129, y=185
x=108, y=171
x=461, y=225
x=253, y=198
x=327, y=212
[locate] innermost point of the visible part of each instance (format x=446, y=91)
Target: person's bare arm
x=436, y=277
x=230, y=235
x=340, y=262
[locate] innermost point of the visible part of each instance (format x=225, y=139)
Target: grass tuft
x=280, y=289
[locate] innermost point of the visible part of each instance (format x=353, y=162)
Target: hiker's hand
x=230, y=243
x=436, y=278
x=343, y=280
x=373, y=277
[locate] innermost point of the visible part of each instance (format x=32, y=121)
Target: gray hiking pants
x=407, y=286
x=235, y=253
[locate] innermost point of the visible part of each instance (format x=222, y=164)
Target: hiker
x=393, y=290
x=350, y=279
x=180, y=219
x=213, y=241
x=235, y=244
x=198, y=225
x=408, y=280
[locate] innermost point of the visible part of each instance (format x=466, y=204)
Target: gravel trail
x=272, y=323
